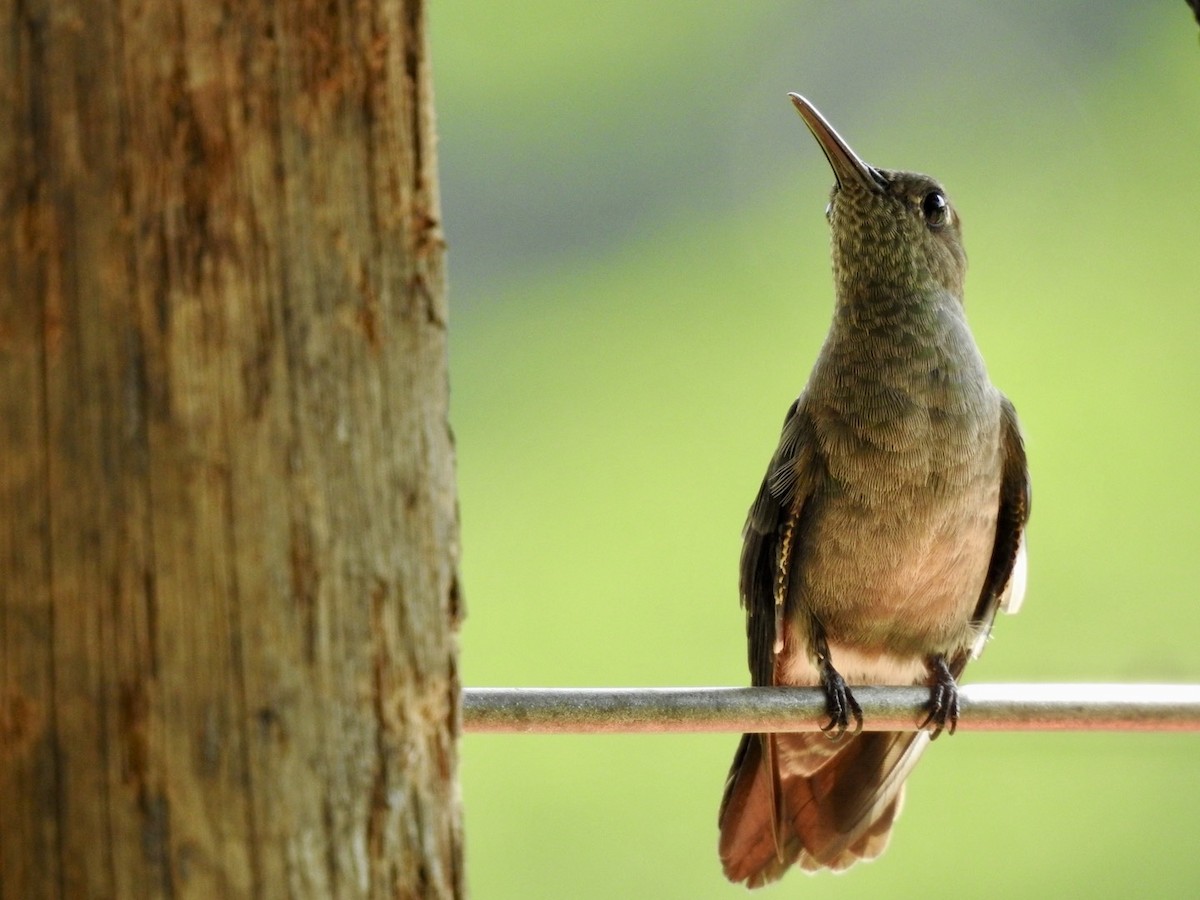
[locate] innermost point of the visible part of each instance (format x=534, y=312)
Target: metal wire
x=984, y=707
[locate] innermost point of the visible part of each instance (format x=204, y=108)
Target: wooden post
x=228, y=527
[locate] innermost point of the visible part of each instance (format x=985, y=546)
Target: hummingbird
x=887, y=533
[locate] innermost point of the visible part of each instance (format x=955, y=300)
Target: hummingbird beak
x=847, y=165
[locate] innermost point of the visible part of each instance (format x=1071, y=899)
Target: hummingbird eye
x=935, y=209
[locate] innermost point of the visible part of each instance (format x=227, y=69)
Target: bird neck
x=890, y=318
x=902, y=375
x=902, y=342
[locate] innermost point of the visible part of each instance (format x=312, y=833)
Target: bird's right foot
x=839, y=703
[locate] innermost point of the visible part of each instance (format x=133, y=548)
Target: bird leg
x=943, y=697
x=839, y=702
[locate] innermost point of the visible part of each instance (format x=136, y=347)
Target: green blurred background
x=640, y=282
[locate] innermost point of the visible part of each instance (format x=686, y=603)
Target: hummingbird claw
x=943, y=699
x=839, y=704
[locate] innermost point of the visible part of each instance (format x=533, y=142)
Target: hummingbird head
x=893, y=233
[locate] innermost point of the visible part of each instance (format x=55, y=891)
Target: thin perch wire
x=984, y=707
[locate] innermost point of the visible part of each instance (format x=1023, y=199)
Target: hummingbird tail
x=836, y=801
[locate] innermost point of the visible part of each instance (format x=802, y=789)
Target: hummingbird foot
x=839, y=703
x=943, y=698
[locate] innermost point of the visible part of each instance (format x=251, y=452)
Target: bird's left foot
x=943, y=698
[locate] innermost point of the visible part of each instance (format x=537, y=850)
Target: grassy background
x=639, y=282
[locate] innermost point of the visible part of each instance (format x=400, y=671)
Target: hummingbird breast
x=901, y=533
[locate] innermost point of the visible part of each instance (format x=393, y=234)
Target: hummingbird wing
x=752, y=809
x=1004, y=586
x=768, y=538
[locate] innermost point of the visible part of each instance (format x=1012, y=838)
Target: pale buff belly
x=892, y=589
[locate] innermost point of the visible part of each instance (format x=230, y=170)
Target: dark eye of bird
x=935, y=209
